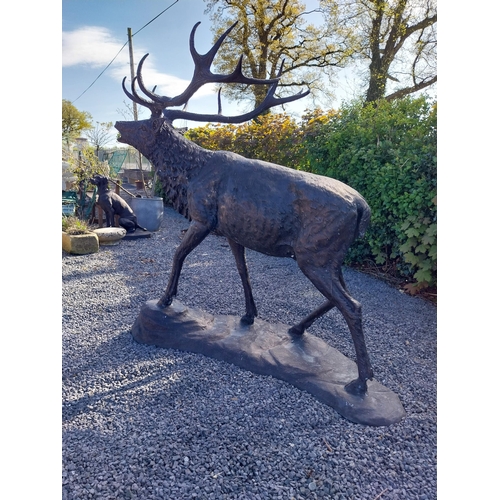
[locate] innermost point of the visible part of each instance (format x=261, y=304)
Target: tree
x=87, y=164
x=74, y=122
x=269, y=32
x=99, y=135
x=396, y=37
x=128, y=112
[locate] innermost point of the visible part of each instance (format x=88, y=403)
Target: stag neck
x=176, y=154
x=176, y=161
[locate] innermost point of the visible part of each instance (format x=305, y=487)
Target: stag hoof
x=247, y=320
x=357, y=387
x=296, y=330
x=164, y=302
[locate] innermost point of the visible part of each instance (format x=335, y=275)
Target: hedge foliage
x=385, y=151
x=275, y=137
x=388, y=152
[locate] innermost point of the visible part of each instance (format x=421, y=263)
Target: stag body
x=255, y=204
x=262, y=206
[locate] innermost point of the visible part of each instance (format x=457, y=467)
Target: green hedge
x=275, y=137
x=388, y=153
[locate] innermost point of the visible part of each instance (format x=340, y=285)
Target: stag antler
x=201, y=76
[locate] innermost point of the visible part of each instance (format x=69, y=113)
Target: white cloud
x=91, y=45
x=95, y=46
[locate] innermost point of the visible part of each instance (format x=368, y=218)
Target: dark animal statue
x=258, y=205
x=113, y=204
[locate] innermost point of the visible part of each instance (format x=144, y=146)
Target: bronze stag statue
x=268, y=208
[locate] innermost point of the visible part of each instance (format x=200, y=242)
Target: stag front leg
x=250, y=307
x=196, y=233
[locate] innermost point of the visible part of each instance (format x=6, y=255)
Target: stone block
x=80, y=244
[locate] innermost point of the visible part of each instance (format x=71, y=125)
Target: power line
x=123, y=46
x=154, y=18
x=101, y=73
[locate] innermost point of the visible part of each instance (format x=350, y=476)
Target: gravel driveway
x=140, y=422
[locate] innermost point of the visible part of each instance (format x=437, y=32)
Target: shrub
x=274, y=137
x=74, y=225
x=86, y=165
x=213, y=136
x=387, y=151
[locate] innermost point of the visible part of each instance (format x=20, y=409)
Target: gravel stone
x=140, y=422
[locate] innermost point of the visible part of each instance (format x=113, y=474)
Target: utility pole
x=132, y=71
x=134, y=104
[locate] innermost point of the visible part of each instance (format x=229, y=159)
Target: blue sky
x=94, y=31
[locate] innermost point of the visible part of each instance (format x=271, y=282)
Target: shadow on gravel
x=112, y=371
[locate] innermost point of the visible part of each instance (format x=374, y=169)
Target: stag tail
x=364, y=215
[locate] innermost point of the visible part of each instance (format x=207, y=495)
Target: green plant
x=387, y=151
x=275, y=137
x=159, y=191
x=420, y=248
x=86, y=164
x=74, y=225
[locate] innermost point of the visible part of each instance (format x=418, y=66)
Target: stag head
x=158, y=105
x=143, y=134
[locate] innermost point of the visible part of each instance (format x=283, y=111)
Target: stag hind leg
x=331, y=284
x=301, y=327
x=196, y=233
x=239, y=256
